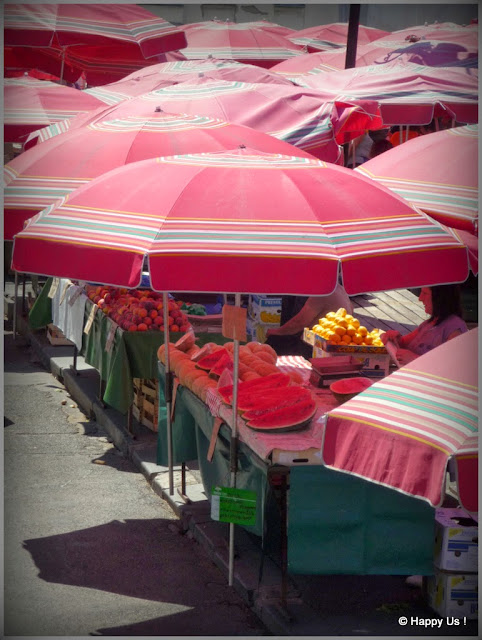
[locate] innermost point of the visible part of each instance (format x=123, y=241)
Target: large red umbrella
x=232, y=216
x=402, y=430
x=298, y=116
x=326, y=37
x=437, y=172
x=30, y=104
x=93, y=33
x=237, y=41
x=408, y=93
x=431, y=53
x=40, y=176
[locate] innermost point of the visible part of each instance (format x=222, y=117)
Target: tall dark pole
x=352, y=37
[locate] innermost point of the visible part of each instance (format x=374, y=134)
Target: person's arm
x=304, y=318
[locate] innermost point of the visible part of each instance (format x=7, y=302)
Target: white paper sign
x=110, y=336
x=53, y=287
x=90, y=319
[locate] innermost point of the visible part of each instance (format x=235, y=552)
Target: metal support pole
x=15, y=296
x=234, y=444
x=24, y=282
x=168, y=393
x=74, y=362
x=352, y=36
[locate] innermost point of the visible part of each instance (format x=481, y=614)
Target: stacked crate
x=145, y=407
x=453, y=589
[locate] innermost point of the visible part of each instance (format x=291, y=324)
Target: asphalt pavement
x=95, y=544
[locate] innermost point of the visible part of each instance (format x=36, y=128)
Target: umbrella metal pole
x=15, y=296
x=352, y=36
x=62, y=67
x=234, y=444
x=168, y=392
x=24, y=282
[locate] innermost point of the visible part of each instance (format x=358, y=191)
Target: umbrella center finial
x=158, y=109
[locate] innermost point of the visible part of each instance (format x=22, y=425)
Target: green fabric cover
x=41, y=312
x=340, y=524
x=184, y=446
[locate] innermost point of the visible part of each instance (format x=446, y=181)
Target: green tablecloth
x=132, y=355
x=337, y=523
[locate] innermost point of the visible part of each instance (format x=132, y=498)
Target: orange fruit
x=336, y=338
x=351, y=330
x=340, y=330
x=363, y=331
x=346, y=338
x=343, y=323
x=341, y=312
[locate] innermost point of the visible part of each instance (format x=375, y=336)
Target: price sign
x=64, y=292
x=110, y=336
x=233, y=505
x=234, y=322
x=90, y=319
x=53, y=287
x=77, y=293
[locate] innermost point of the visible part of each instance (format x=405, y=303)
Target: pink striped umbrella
x=436, y=172
x=90, y=36
x=326, y=37
x=407, y=93
x=30, y=104
x=40, y=176
x=237, y=41
x=225, y=218
x=401, y=432
x=446, y=31
x=431, y=53
x=298, y=116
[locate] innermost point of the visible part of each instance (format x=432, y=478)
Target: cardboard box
x=265, y=309
x=456, y=541
x=374, y=360
x=256, y=331
x=453, y=594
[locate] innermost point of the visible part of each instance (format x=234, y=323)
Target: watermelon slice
x=290, y=397
x=274, y=380
x=224, y=362
x=208, y=361
x=285, y=417
x=350, y=385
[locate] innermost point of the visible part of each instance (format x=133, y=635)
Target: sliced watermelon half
x=208, y=361
x=274, y=380
x=271, y=399
x=285, y=417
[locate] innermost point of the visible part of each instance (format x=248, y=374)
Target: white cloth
x=66, y=317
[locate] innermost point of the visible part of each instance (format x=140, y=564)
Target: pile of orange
x=339, y=327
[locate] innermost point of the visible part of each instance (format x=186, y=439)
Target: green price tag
x=233, y=505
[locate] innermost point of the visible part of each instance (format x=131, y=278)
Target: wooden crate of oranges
x=340, y=329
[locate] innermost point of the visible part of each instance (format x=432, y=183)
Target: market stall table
x=335, y=523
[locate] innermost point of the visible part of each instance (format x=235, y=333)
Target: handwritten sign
x=90, y=319
x=64, y=292
x=77, y=293
x=53, y=287
x=233, y=505
x=110, y=336
x=234, y=322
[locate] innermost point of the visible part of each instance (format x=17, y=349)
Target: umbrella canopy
x=40, y=176
x=242, y=42
x=128, y=27
x=431, y=53
x=437, y=172
x=333, y=36
x=165, y=74
x=298, y=116
x=446, y=31
x=30, y=104
x=105, y=41
x=402, y=430
x=232, y=216
x=408, y=94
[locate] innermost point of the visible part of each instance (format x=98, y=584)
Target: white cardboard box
x=265, y=309
x=456, y=541
x=453, y=594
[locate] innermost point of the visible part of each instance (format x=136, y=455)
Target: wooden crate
x=145, y=407
x=56, y=337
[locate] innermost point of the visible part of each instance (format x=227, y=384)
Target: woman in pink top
x=443, y=304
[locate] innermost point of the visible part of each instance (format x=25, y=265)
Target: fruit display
x=198, y=369
x=138, y=309
x=339, y=327
x=193, y=309
x=272, y=403
x=348, y=388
